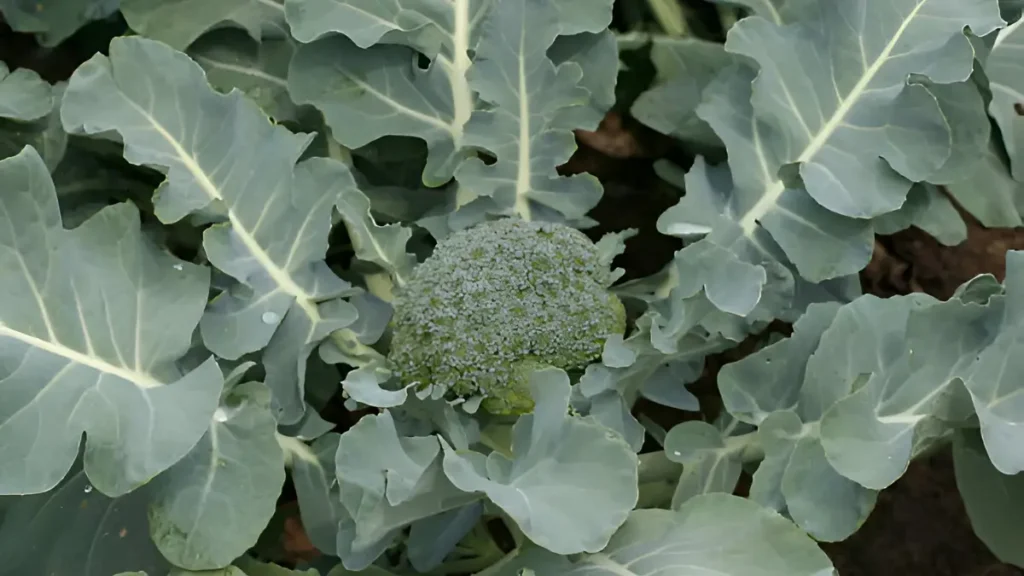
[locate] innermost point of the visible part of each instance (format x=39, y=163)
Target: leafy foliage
x=212, y=230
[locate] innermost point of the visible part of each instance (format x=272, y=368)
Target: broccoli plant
x=315, y=287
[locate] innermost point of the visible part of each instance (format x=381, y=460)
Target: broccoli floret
x=498, y=300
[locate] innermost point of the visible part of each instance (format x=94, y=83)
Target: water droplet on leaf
x=270, y=318
x=88, y=488
x=220, y=415
x=179, y=267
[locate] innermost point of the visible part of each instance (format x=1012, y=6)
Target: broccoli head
x=495, y=302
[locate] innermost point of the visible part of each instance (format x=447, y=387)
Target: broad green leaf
x=709, y=464
x=685, y=67
x=592, y=52
x=531, y=560
x=180, y=22
x=526, y=128
x=316, y=488
x=367, y=22
x=970, y=129
x=212, y=506
x=24, y=95
x=432, y=539
x=368, y=85
x=796, y=474
x=789, y=222
x=989, y=192
x=779, y=370
x=785, y=388
x=220, y=150
x=871, y=435
x=387, y=482
x=928, y=209
x=367, y=91
x=86, y=181
x=712, y=534
x=259, y=69
x=997, y=394
x=381, y=245
x=53, y=21
x=75, y=529
x=90, y=328
x=30, y=116
x=1002, y=67
x=992, y=498
x=823, y=136
x=569, y=483
x=838, y=101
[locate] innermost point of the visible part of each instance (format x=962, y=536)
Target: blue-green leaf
x=75, y=529
x=387, y=482
x=92, y=323
x=54, y=21
x=825, y=95
x=219, y=150
x=711, y=534
x=180, y=22
x=990, y=497
x=211, y=507
x=570, y=482
x=510, y=100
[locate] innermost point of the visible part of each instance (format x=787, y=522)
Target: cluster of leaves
x=201, y=231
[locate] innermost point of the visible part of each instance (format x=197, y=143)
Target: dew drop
x=677, y=453
x=88, y=488
x=220, y=415
x=179, y=267
x=270, y=317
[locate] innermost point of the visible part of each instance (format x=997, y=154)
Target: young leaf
x=387, y=482
x=709, y=464
x=90, y=327
x=570, y=482
x=783, y=392
x=685, y=67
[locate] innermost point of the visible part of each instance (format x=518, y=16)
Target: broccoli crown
x=496, y=301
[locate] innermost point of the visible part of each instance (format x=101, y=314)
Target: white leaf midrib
x=777, y=187
x=140, y=379
x=524, y=177
x=278, y=275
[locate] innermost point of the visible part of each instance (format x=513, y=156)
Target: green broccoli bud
x=495, y=302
